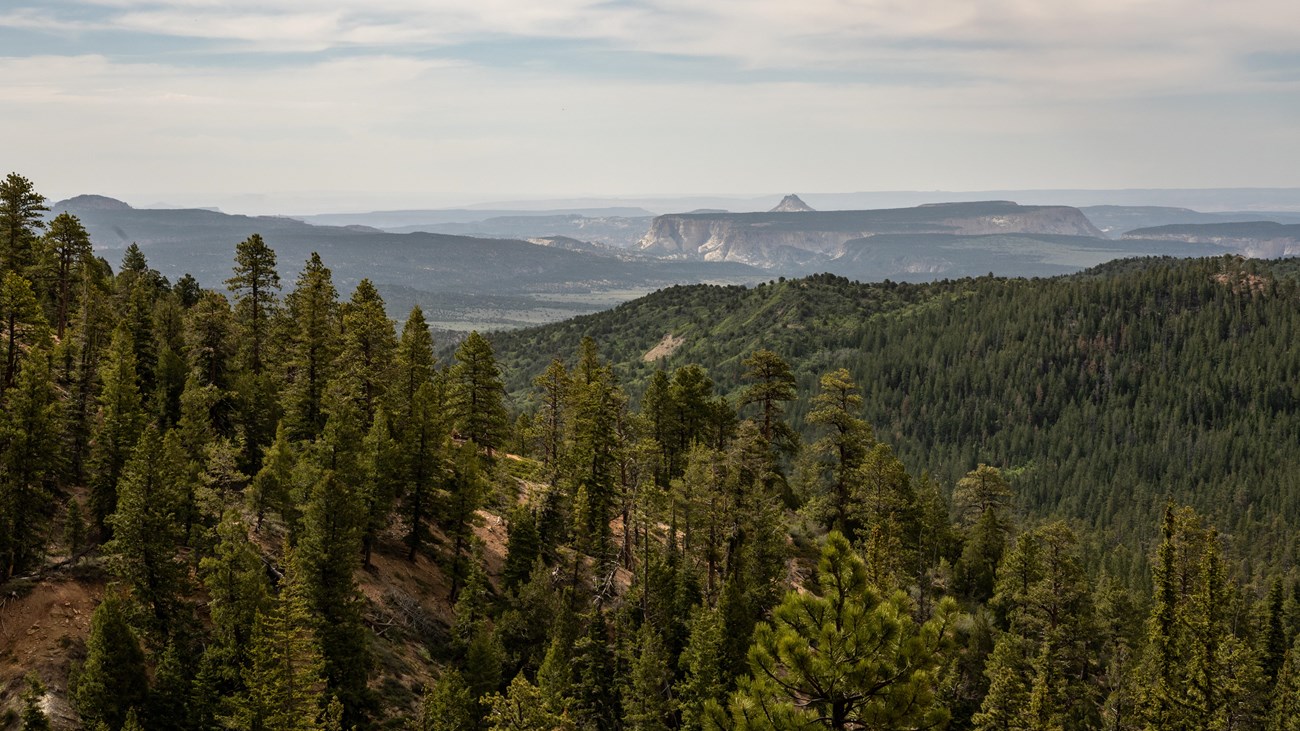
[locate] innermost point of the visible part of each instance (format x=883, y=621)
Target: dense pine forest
x=975, y=504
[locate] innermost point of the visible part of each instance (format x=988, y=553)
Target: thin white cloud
x=892, y=94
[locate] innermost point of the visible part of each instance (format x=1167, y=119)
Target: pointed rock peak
x=792, y=204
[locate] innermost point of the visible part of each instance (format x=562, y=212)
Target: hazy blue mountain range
x=543, y=282
x=617, y=231
x=1117, y=220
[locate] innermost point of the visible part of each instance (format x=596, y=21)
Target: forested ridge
x=833, y=506
x=1105, y=393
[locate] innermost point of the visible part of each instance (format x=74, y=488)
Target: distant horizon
x=343, y=203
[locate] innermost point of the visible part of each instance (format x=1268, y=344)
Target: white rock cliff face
x=782, y=238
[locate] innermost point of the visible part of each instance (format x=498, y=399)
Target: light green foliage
x=844, y=657
x=447, y=706
x=34, y=718
x=522, y=709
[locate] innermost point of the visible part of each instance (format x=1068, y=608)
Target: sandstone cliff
x=780, y=239
x=1260, y=239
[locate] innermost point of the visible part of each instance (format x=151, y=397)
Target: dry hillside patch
x=43, y=630
x=665, y=348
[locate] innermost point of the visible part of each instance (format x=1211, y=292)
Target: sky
x=313, y=105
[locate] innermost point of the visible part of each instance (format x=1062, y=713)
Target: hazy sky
x=439, y=102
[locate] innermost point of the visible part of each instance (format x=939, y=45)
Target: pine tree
x=551, y=422
x=113, y=679
x=523, y=547
x=238, y=592
x=146, y=529
x=70, y=245
x=285, y=679
x=703, y=675
x=845, y=657
x=20, y=220
x=211, y=340
x=22, y=326
x=29, y=462
x=837, y=407
x=773, y=383
x=447, y=706
x=477, y=394
x=424, y=440
x=647, y=702
x=270, y=488
x=522, y=709
x=1284, y=713
x=118, y=427
x=313, y=334
x=466, y=489
x=593, y=458
x=328, y=554
x=34, y=718
x=364, y=365
x=254, y=284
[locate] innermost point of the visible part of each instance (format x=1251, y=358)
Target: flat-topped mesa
x=792, y=204
x=777, y=239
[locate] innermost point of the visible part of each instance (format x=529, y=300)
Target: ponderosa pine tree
x=364, y=365
x=313, y=344
x=34, y=718
x=22, y=326
x=270, y=487
x=647, y=696
x=447, y=705
x=82, y=351
x=285, y=679
x=837, y=407
x=20, y=220
x=113, y=679
x=521, y=708
x=328, y=554
x=255, y=283
x=550, y=424
x=593, y=459
x=238, y=592
x=1044, y=598
x=844, y=657
x=704, y=679
x=29, y=462
x=120, y=421
x=424, y=441
x=69, y=243
x=476, y=394
x=772, y=383
x=146, y=527
x=465, y=489
x=383, y=472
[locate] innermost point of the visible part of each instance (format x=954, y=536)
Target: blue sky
x=326, y=104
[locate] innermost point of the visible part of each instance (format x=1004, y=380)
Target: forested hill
x=1106, y=392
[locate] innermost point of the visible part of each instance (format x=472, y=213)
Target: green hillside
x=1106, y=392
